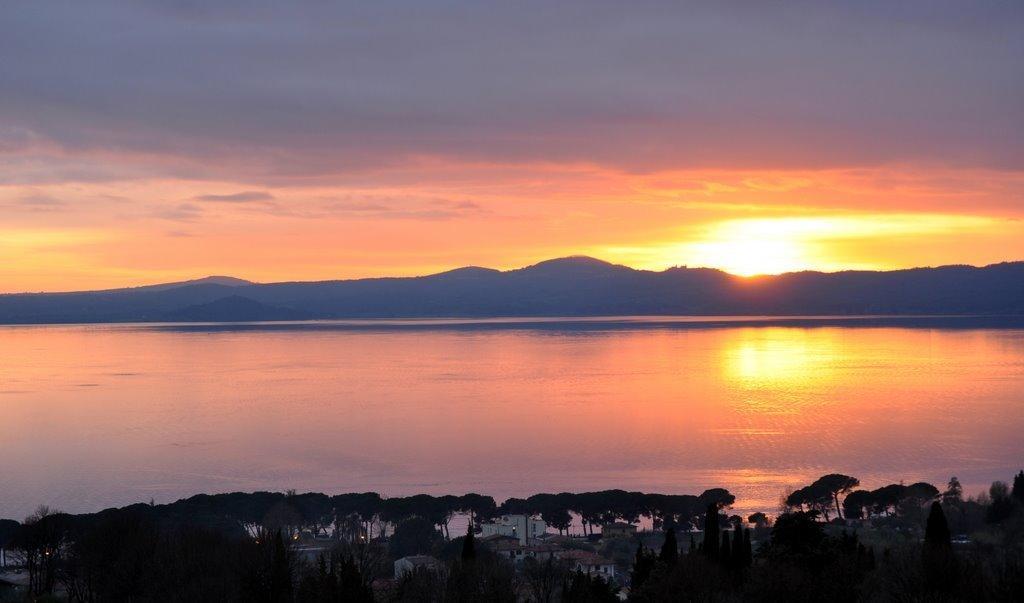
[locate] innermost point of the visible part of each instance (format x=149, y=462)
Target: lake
x=93, y=416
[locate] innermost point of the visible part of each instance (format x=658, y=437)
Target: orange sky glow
x=341, y=141
x=88, y=236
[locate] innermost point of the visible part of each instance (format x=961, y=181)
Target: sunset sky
x=143, y=142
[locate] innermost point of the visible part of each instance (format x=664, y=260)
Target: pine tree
x=954, y=492
x=469, y=544
x=726, y=549
x=711, y=532
x=670, y=549
x=693, y=546
x=936, y=533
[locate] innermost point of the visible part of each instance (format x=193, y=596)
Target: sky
x=149, y=141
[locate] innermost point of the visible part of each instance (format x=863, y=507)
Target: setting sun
x=756, y=246
x=770, y=246
x=752, y=256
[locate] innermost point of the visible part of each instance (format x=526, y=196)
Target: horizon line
x=750, y=277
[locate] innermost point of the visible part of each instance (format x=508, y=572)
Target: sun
x=746, y=247
x=750, y=257
x=760, y=246
x=749, y=247
x=753, y=246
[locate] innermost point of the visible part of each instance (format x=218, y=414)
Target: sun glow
x=752, y=256
x=768, y=246
x=749, y=247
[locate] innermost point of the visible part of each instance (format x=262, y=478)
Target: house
x=522, y=527
x=495, y=540
x=510, y=549
x=618, y=530
x=590, y=563
x=408, y=564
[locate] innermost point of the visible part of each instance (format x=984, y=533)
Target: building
x=494, y=541
x=407, y=564
x=510, y=549
x=590, y=563
x=310, y=552
x=618, y=530
x=522, y=527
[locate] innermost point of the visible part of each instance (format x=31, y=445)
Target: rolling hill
x=574, y=286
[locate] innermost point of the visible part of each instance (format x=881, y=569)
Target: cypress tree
x=936, y=532
x=1018, y=486
x=940, y=571
x=643, y=563
x=670, y=549
x=726, y=550
x=738, y=552
x=711, y=532
x=280, y=587
x=748, y=551
x=351, y=586
x=469, y=544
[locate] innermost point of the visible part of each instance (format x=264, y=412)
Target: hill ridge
x=575, y=286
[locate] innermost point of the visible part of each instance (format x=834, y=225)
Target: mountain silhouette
x=234, y=308
x=574, y=286
x=228, y=281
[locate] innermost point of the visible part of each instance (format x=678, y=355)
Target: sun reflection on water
x=777, y=357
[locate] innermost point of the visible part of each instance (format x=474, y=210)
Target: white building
x=590, y=563
x=523, y=527
x=510, y=549
x=407, y=564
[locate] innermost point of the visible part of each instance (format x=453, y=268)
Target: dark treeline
x=832, y=541
x=355, y=514
x=156, y=550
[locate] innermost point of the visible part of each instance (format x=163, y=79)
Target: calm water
x=94, y=416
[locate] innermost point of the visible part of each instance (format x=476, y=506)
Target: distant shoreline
x=566, y=323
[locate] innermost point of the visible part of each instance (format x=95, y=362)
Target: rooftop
x=419, y=559
x=586, y=558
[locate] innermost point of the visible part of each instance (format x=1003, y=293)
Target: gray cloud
x=182, y=212
x=39, y=202
x=405, y=208
x=369, y=206
x=34, y=202
x=262, y=90
x=242, y=197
